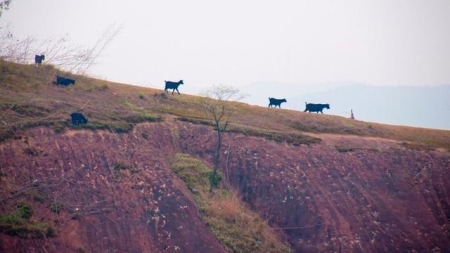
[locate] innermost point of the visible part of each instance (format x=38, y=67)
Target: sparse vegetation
x=236, y=226
x=81, y=250
x=28, y=99
x=216, y=104
x=345, y=149
x=295, y=139
x=56, y=207
x=17, y=223
x=417, y=146
x=118, y=166
x=36, y=195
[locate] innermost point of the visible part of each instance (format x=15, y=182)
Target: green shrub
x=118, y=166
x=24, y=211
x=344, y=149
x=17, y=223
x=56, y=207
x=215, y=179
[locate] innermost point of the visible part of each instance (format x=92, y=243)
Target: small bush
x=81, y=250
x=118, y=166
x=18, y=224
x=24, y=211
x=344, y=149
x=56, y=207
x=162, y=95
x=196, y=121
x=36, y=196
x=121, y=127
x=149, y=118
x=215, y=179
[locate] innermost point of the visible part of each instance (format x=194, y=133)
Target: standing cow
x=276, y=102
x=173, y=86
x=38, y=59
x=316, y=107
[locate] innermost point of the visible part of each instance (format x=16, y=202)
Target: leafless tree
x=58, y=51
x=4, y=5
x=217, y=103
x=14, y=49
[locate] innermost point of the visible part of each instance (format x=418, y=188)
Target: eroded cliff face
x=347, y=194
x=116, y=193
x=141, y=207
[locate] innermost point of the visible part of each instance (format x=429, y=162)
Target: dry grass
x=28, y=99
x=235, y=225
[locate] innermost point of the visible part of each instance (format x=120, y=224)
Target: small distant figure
x=60, y=80
x=38, y=59
x=352, y=116
x=173, y=86
x=276, y=102
x=78, y=119
x=316, y=107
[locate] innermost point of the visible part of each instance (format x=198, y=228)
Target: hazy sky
x=293, y=44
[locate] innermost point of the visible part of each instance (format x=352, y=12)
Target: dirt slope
x=102, y=209
x=345, y=194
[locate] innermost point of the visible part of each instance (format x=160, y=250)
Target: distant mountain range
x=427, y=107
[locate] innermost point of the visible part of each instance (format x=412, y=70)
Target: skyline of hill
x=414, y=106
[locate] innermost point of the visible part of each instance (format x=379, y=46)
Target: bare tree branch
x=217, y=104
x=58, y=51
x=4, y=5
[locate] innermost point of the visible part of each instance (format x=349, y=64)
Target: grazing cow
x=64, y=81
x=38, y=59
x=316, y=107
x=276, y=102
x=78, y=118
x=173, y=86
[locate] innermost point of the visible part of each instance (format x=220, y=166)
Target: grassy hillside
x=28, y=98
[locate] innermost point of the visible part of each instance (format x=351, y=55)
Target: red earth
x=344, y=194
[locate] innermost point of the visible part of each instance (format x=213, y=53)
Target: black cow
x=78, y=118
x=64, y=81
x=276, y=102
x=38, y=59
x=316, y=107
x=173, y=86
